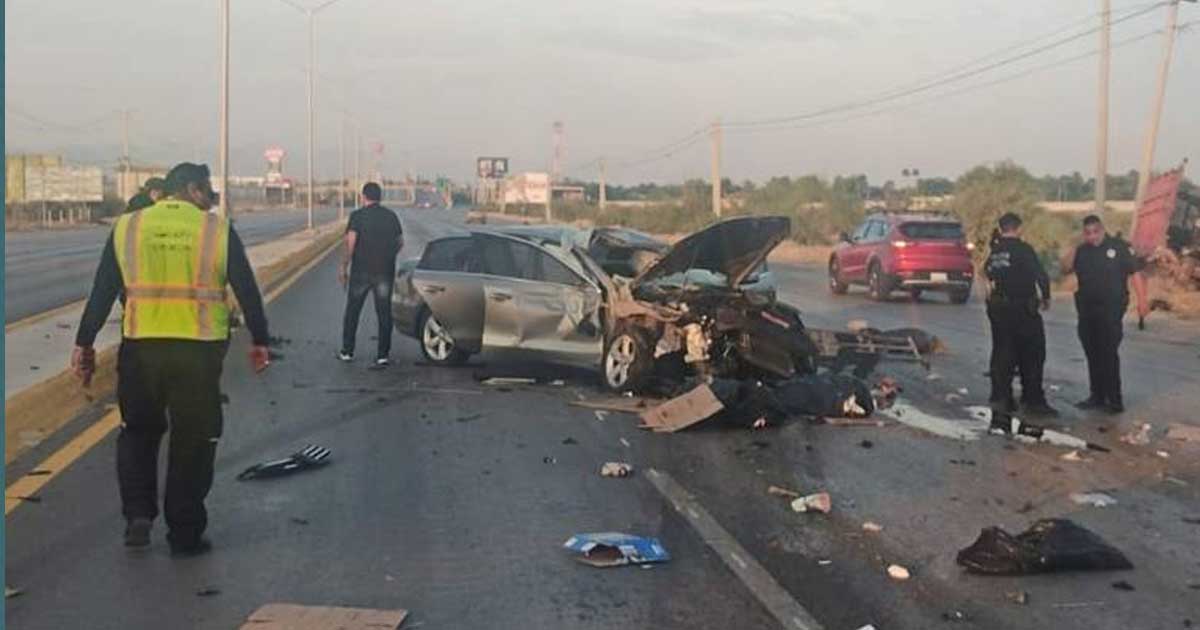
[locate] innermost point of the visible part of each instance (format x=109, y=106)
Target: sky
x=438, y=84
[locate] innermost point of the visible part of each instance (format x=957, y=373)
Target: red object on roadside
x=1155, y=213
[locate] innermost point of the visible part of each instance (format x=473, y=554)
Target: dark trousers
x=171, y=383
x=380, y=287
x=1018, y=342
x=1100, y=332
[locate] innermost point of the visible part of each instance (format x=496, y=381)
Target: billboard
x=64, y=184
x=1155, y=212
x=527, y=188
x=491, y=167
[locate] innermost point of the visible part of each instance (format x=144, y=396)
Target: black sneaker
x=1092, y=402
x=137, y=532
x=1040, y=409
x=1115, y=407
x=198, y=548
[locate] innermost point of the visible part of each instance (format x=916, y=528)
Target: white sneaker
x=382, y=362
x=345, y=357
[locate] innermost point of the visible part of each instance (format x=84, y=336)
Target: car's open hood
x=733, y=248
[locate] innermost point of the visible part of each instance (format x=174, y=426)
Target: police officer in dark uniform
x=1018, y=288
x=1103, y=265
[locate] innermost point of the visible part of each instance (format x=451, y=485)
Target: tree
x=935, y=187
x=986, y=192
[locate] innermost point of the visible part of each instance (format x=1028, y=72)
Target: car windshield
x=932, y=231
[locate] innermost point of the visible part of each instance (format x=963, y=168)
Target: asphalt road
x=452, y=499
x=46, y=269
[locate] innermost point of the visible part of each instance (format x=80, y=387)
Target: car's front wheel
x=436, y=343
x=836, y=285
x=627, y=361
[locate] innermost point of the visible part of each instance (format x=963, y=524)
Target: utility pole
x=123, y=189
x=357, y=164
x=223, y=149
x=716, y=167
x=603, y=186
x=1155, y=113
x=312, y=71
x=1102, y=108
x=342, y=166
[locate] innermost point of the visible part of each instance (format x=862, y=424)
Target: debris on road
x=1094, y=499
x=616, y=469
x=872, y=527
x=10, y=592
x=1073, y=456
x=1123, y=586
x=1049, y=545
x=855, y=422
x=955, y=616
x=298, y=521
x=1017, y=597
x=1183, y=433
x=819, y=502
x=1163, y=454
x=306, y=458
x=549, y=460
x=683, y=411
x=570, y=441
x=508, y=380
x=611, y=549
x=897, y=572
x=471, y=418
x=777, y=491
x=620, y=404
x=297, y=616
x=866, y=444
x=208, y=591
x=1138, y=437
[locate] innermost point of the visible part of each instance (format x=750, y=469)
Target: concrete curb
x=45, y=407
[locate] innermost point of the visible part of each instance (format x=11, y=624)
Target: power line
x=964, y=90
x=931, y=84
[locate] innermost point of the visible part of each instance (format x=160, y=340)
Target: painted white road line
x=769, y=592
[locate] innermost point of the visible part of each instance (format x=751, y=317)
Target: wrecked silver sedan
x=694, y=309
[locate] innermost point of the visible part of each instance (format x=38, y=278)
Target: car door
x=501, y=311
x=560, y=310
x=448, y=280
x=854, y=257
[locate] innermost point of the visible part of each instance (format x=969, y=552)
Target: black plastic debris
x=309, y=457
x=1123, y=586
x=1050, y=545
x=208, y=592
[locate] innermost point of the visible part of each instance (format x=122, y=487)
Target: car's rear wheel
x=836, y=285
x=437, y=345
x=880, y=285
x=627, y=361
x=960, y=296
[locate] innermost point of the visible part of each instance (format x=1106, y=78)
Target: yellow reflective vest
x=173, y=258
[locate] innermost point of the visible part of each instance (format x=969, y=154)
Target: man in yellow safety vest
x=170, y=264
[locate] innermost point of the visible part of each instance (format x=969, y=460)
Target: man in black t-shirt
x=373, y=240
x=1103, y=265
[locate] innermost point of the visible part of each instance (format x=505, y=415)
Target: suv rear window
x=927, y=230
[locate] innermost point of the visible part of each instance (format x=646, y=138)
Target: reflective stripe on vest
x=173, y=260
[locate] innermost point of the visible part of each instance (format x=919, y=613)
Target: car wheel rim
x=438, y=342
x=620, y=359
x=833, y=275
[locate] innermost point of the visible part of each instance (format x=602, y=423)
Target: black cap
x=1009, y=221
x=186, y=173
x=155, y=183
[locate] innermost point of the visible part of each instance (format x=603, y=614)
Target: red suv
x=911, y=252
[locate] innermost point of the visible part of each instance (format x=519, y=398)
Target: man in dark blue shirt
x=374, y=238
x=1103, y=265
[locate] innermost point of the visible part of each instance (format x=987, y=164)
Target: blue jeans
x=381, y=288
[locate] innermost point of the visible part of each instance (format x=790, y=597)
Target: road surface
x=452, y=499
x=49, y=268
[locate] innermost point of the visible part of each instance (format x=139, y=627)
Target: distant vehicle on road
x=913, y=252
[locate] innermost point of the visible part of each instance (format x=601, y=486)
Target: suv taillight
x=900, y=244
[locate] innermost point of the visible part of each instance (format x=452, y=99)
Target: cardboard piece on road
x=682, y=411
x=612, y=549
x=1184, y=432
x=296, y=617
x=618, y=404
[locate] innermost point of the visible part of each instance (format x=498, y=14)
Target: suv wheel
x=627, y=360
x=836, y=285
x=880, y=285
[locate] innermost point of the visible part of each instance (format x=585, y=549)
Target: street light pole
x=223, y=151
x=1102, y=109
x=312, y=70
x=342, y=167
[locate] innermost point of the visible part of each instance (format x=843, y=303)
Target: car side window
x=455, y=254
x=556, y=272
x=877, y=232
x=497, y=257
x=861, y=233
x=525, y=261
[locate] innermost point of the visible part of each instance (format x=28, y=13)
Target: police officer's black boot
x=1091, y=402
x=137, y=532
x=1115, y=405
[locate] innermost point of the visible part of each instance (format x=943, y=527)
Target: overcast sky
x=439, y=83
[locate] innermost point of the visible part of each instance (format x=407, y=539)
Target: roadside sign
x=491, y=167
x=1155, y=212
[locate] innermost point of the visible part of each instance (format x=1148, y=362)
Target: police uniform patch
x=1111, y=253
